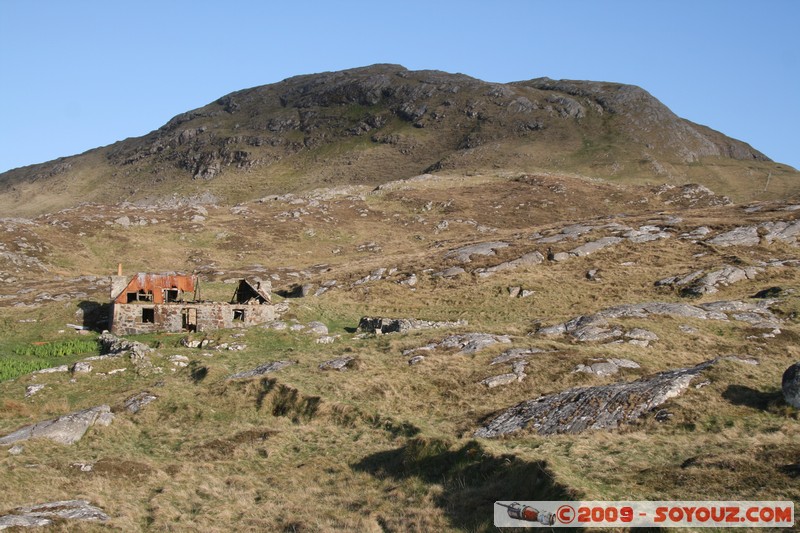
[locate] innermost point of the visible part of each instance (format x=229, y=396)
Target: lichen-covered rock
x=742, y=236
x=467, y=343
x=606, y=367
x=341, y=364
x=580, y=409
x=112, y=345
x=593, y=246
x=502, y=379
x=465, y=253
x=44, y=514
x=533, y=258
x=401, y=325
x=595, y=327
x=699, y=282
x=515, y=354
x=30, y=390
x=66, y=429
x=449, y=272
x=137, y=402
x=81, y=367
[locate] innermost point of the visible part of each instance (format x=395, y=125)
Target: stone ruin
x=148, y=303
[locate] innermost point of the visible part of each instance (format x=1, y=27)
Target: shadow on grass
x=741, y=395
x=471, y=478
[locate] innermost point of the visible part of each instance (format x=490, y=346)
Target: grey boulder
x=44, y=514
x=791, y=385
x=66, y=429
x=584, y=408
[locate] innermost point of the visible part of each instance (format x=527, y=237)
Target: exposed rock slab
x=449, y=272
x=465, y=253
x=66, y=429
x=341, y=364
x=139, y=401
x=515, y=354
x=784, y=231
x=595, y=327
x=583, y=408
x=502, y=379
x=593, y=246
x=43, y=514
x=401, y=325
x=266, y=368
x=467, y=343
x=699, y=282
x=533, y=258
x=606, y=367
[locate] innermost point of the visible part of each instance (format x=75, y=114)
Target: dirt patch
x=225, y=447
x=122, y=468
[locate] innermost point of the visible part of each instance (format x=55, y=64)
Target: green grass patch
x=13, y=367
x=58, y=349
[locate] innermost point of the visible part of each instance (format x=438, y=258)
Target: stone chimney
x=118, y=283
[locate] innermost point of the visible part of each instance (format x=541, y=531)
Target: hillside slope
x=666, y=288
x=380, y=123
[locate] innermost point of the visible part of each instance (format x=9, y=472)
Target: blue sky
x=85, y=73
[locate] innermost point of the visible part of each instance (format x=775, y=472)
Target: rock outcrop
x=467, y=343
x=44, y=514
x=139, y=401
x=604, y=407
x=341, y=364
x=596, y=327
x=606, y=367
x=783, y=231
x=266, y=368
x=66, y=429
x=401, y=325
x=465, y=253
x=699, y=282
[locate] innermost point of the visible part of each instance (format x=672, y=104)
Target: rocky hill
x=443, y=342
x=489, y=329
x=381, y=123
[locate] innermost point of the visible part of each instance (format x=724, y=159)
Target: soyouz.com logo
x=644, y=514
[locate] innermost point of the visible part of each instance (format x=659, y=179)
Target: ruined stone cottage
x=149, y=303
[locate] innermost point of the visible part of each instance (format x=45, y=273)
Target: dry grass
x=386, y=446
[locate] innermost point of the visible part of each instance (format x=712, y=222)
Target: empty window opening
x=238, y=315
x=189, y=319
x=171, y=295
x=148, y=316
x=140, y=296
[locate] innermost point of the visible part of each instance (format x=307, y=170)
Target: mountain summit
x=380, y=123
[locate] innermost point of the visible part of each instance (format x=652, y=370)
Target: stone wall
x=128, y=318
